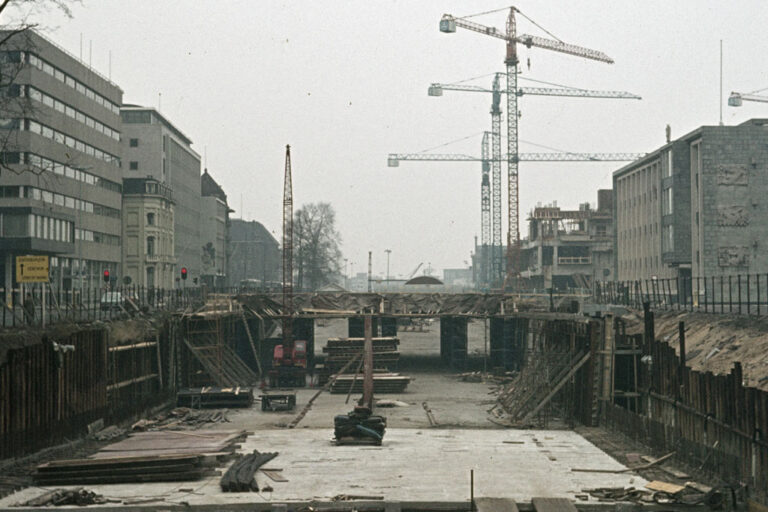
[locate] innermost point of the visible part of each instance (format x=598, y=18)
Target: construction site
x=550, y=387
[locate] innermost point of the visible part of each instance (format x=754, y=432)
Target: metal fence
x=38, y=306
x=742, y=294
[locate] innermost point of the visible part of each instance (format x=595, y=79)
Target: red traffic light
x=184, y=273
x=106, y=276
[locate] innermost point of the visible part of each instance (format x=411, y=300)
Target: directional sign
x=32, y=269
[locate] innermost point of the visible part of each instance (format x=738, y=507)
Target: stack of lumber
x=160, y=456
x=382, y=383
x=340, y=350
x=214, y=397
x=240, y=475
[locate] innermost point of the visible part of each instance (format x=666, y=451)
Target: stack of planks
x=215, y=397
x=159, y=456
x=340, y=350
x=240, y=475
x=382, y=383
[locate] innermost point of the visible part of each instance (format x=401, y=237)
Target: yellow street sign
x=32, y=269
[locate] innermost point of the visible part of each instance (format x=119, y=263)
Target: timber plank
x=553, y=505
x=495, y=505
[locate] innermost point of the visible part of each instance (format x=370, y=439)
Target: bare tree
x=316, y=245
x=15, y=104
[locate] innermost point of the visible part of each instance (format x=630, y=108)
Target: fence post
x=757, y=282
x=738, y=281
x=730, y=295
x=749, y=299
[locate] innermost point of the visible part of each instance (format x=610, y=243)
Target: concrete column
x=356, y=327
x=453, y=341
x=388, y=326
x=507, y=343
x=8, y=276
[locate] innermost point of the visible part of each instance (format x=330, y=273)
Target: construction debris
x=217, y=397
x=430, y=415
x=240, y=476
x=181, y=418
x=60, y=497
x=278, y=402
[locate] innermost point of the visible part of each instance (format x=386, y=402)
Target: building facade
x=61, y=187
x=214, y=232
x=569, y=249
x=254, y=255
x=155, y=148
x=148, y=246
x=696, y=206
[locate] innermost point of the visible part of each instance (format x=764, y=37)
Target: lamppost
x=388, y=251
x=345, y=274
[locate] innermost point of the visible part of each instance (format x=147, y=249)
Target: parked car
x=116, y=301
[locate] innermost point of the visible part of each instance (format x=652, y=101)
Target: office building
x=155, y=148
x=214, y=232
x=254, y=255
x=696, y=206
x=61, y=187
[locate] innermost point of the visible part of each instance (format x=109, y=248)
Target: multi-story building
x=697, y=206
x=214, y=232
x=254, y=254
x=61, y=186
x=567, y=249
x=148, y=252
x=155, y=148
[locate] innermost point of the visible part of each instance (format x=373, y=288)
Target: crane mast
x=485, y=211
x=287, y=255
x=448, y=23
x=496, y=263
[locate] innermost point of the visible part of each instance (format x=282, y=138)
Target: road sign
x=32, y=269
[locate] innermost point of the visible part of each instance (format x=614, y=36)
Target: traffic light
x=184, y=273
x=106, y=276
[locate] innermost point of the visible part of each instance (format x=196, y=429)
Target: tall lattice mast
x=287, y=253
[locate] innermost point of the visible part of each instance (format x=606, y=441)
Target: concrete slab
x=412, y=465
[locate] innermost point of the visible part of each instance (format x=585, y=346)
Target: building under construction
x=569, y=248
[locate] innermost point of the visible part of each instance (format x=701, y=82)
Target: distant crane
x=736, y=98
x=436, y=89
x=414, y=271
x=448, y=24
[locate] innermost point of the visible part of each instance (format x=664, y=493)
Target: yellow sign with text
x=32, y=269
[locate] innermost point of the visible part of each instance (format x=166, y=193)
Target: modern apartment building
x=60, y=193
x=697, y=206
x=569, y=248
x=214, y=232
x=148, y=248
x=155, y=148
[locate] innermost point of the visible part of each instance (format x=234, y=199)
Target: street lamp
x=346, y=286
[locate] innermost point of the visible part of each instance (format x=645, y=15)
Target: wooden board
x=553, y=505
x=658, y=485
x=495, y=505
x=274, y=475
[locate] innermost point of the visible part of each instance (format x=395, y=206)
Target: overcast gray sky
x=345, y=83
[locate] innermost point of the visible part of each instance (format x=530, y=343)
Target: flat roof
x=127, y=107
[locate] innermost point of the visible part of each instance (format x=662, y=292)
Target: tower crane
x=436, y=89
x=485, y=212
x=448, y=24
x=736, y=98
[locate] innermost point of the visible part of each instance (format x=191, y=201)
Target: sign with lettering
x=32, y=269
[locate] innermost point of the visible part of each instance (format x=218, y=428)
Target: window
x=150, y=219
x=150, y=246
x=134, y=143
x=134, y=166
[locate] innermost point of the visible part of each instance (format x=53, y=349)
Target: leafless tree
x=317, y=250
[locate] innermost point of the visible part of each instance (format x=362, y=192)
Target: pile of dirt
x=715, y=342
